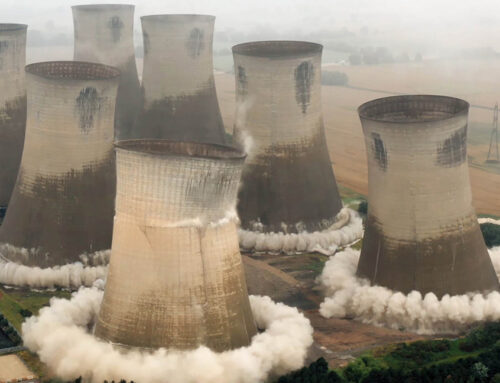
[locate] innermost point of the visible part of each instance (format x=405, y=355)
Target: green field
x=12, y=301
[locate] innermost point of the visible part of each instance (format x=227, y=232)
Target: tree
x=334, y=78
x=363, y=207
x=491, y=234
x=355, y=59
x=479, y=371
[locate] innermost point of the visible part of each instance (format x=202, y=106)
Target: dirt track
x=289, y=279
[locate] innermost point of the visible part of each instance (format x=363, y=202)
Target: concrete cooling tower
x=422, y=232
x=180, y=101
x=12, y=105
x=63, y=201
x=176, y=277
x=104, y=34
x=288, y=183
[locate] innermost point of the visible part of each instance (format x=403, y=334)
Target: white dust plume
x=71, y=276
x=346, y=230
x=60, y=336
x=350, y=296
x=489, y=220
x=241, y=137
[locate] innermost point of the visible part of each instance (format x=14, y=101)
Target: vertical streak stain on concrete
x=195, y=42
x=379, y=151
x=88, y=104
x=304, y=77
x=104, y=34
x=116, y=26
x=12, y=105
x=453, y=150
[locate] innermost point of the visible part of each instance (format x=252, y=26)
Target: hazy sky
x=439, y=23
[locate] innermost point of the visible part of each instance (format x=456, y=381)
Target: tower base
x=454, y=264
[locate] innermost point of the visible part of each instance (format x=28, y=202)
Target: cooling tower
x=63, y=201
x=104, y=34
x=422, y=232
x=175, y=277
x=12, y=105
x=180, y=101
x=288, y=183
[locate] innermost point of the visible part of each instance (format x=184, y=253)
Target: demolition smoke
x=489, y=220
x=347, y=229
x=71, y=276
x=59, y=336
x=351, y=296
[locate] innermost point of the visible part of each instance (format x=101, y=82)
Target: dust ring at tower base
x=347, y=228
x=60, y=337
x=90, y=268
x=349, y=296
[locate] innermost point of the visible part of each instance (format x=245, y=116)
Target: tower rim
x=101, y=7
x=180, y=17
x=414, y=106
x=278, y=49
x=165, y=148
x=72, y=70
x=7, y=27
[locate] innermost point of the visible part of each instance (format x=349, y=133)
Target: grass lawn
x=12, y=301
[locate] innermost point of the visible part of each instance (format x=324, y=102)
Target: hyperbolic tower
x=104, y=34
x=180, y=100
x=62, y=204
x=422, y=232
x=12, y=105
x=176, y=277
x=288, y=183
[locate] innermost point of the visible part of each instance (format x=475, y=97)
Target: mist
x=60, y=336
x=434, y=28
x=353, y=297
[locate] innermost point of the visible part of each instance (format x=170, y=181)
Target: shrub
x=363, y=207
x=482, y=337
x=479, y=371
x=25, y=313
x=316, y=372
x=421, y=352
x=334, y=78
x=491, y=234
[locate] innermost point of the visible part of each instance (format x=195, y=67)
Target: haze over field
x=435, y=28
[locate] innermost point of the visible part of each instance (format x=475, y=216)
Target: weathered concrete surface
x=12, y=105
x=62, y=204
x=288, y=183
x=180, y=100
x=104, y=34
x=422, y=232
x=176, y=277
